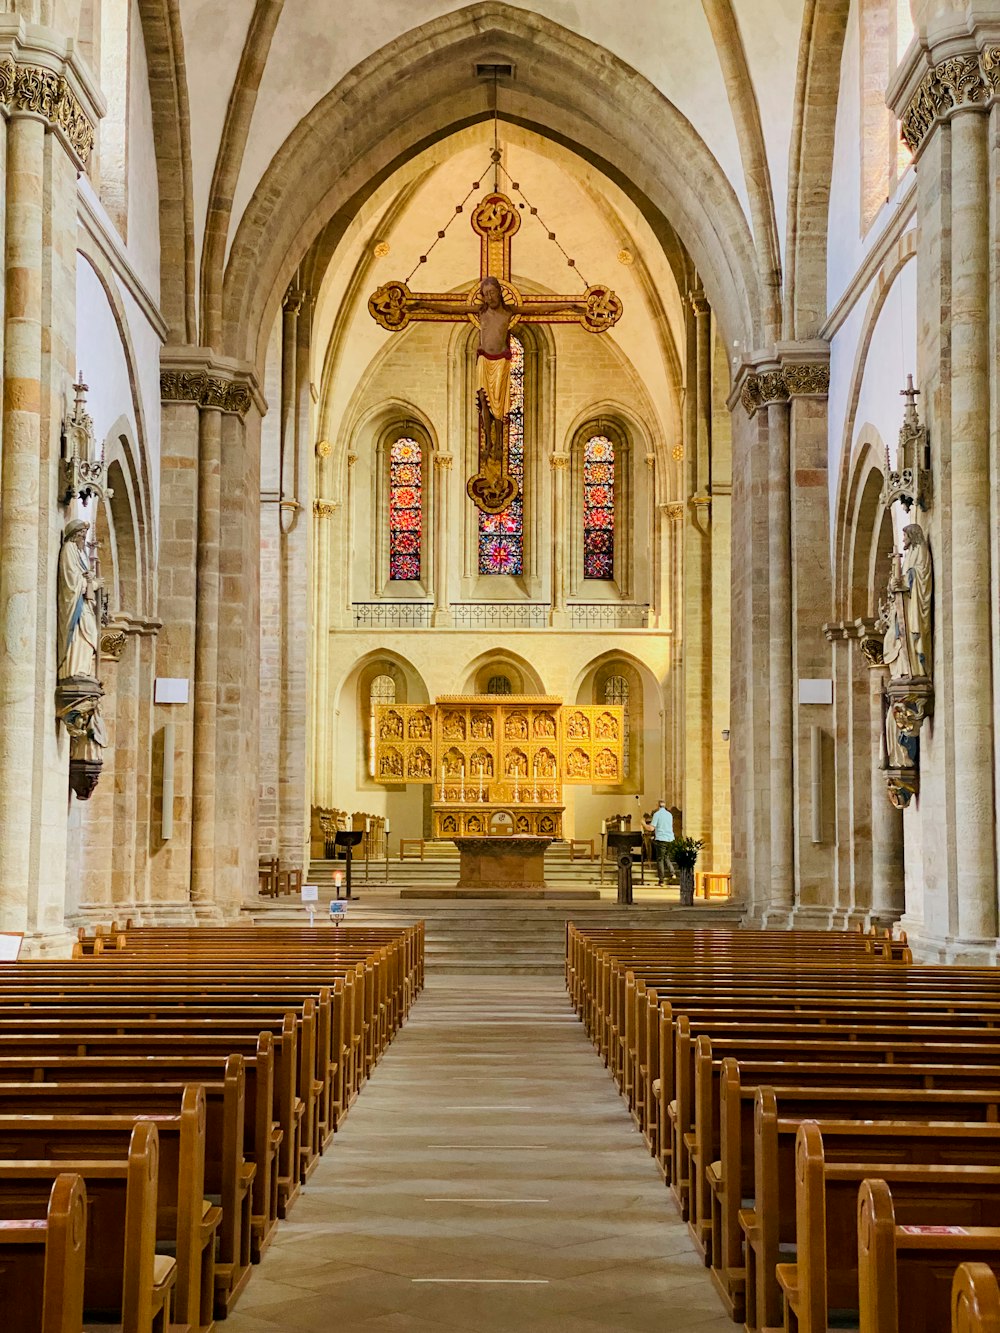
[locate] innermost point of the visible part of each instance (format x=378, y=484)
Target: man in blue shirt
x=663, y=834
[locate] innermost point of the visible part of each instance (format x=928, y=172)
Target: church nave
x=489, y=1178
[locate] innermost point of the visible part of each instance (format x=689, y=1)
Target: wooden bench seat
x=906, y=1271
x=186, y=1225
x=823, y=1279
x=124, y=1278
x=42, y=1261
x=975, y=1300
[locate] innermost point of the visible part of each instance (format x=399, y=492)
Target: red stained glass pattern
x=405, y=510
x=501, y=536
x=598, y=508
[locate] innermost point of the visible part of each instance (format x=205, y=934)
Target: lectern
x=348, y=839
x=622, y=844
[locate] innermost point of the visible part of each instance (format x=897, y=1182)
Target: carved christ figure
x=494, y=316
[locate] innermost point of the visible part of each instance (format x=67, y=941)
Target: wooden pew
x=183, y=1220
x=42, y=1263
x=770, y=1224
x=124, y=1278
x=975, y=1300
x=822, y=1283
x=905, y=1273
x=727, y=1092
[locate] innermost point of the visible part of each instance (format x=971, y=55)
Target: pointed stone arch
x=420, y=84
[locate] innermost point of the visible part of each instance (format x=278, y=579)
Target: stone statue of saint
x=77, y=605
x=918, y=576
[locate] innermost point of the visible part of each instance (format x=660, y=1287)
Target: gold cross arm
x=495, y=220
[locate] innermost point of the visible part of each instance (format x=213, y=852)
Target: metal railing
x=500, y=615
x=609, y=615
x=392, y=615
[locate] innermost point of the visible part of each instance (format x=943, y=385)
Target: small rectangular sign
x=310, y=893
x=10, y=945
x=170, y=690
x=815, y=691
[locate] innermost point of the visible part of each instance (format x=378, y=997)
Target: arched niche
x=523, y=677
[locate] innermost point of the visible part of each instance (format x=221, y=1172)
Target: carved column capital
x=558, y=461
x=935, y=85
x=351, y=459
x=699, y=302
x=52, y=86
x=325, y=508
x=194, y=375
x=443, y=462
x=113, y=641
x=673, y=509
x=794, y=379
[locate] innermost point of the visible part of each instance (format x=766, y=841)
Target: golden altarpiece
x=497, y=765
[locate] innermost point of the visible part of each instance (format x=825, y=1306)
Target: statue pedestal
x=513, y=865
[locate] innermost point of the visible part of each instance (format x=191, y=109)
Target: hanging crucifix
x=494, y=305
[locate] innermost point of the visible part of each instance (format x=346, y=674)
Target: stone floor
x=489, y=1178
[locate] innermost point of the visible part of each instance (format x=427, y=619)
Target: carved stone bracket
x=961, y=81
x=903, y=785
x=798, y=379
x=44, y=93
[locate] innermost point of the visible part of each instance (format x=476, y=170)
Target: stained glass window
x=598, y=508
x=406, y=515
x=616, y=691
x=381, y=691
x=498, y=685
x=501, y=536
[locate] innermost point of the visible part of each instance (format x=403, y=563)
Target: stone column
x=654, y=573
x=443, y=545
x=324, y=512
x=670, y=518
x=887, y=901
x=560, y=467
x=50, y=109
x=294, y=533
x=209, y=622
x=348, y=562
x=206, y=675
x=975, y=812
x=782, y=897
x=946, y=95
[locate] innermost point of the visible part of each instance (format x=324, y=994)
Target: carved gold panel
x=591, y=743
x=404, y=743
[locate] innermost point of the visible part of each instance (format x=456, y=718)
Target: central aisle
x=489, y=1178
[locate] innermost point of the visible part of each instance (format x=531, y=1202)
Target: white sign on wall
x=815, y=691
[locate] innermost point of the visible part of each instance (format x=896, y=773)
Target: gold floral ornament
x=323, y=449
x=380, y=249
x=626, y=257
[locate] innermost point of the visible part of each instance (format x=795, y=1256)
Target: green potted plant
x=684, y=854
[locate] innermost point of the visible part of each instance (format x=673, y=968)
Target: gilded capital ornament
x=325, y=508
x=798, y=379
x=113, y=643
x=28, y=88
x=961, y=81
x=205, y=390
x=444, y=461
x=674, y=510
x=558, y=461
x=699, y=302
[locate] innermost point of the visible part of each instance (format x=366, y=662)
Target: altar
x=497, y=765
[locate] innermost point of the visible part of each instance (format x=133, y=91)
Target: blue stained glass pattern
x=405, y=509
x=598, y=508
x=501, y=536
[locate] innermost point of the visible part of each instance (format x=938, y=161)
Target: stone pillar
x=887, y=897
x=209, y=622
x=560, y=467
x=294, y=533
x=782, y=895
x=443, y=545
x=50, y=109
x=206, y=662
x=975, y=811
x=324, y=512
x=946, y=96
x=348, y=561
x=669, y=523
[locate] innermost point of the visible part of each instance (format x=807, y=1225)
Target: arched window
x=498, y=685
x=598, y=508
x=617, y=691
x=405, y=510
x=381, y=691
x=501, y=536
